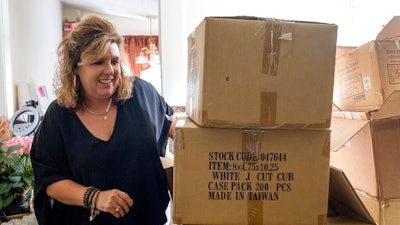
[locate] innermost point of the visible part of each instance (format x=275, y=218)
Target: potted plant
x=16, y=173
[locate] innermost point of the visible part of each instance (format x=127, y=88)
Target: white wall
x=172, y=49
x=6, y=103
x=35, y=30
x=358, y=21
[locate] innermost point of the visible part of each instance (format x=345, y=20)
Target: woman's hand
x=115, y=202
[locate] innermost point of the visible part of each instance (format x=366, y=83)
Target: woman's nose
x=109, y=69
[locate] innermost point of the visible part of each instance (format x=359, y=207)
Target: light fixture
x=142, y=59
x=152, y=50
x=152, y=46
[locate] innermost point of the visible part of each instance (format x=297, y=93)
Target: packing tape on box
x=251, y=146
x=275, y=33
x=268, y=106
x=271, y=48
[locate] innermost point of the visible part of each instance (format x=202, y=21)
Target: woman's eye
x=98, y=63
x=115, y=62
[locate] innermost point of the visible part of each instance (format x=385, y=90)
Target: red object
x=68, y=26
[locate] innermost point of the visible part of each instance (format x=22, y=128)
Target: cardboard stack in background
x=256, y=147
x=366, y=76
x=366, y=126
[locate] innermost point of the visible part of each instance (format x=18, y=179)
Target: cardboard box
x=246, y=72
x=384, y=212
x=341, y=50
x=366, y=76
x=357, y=82
x=345, y=206
x=344, y=220
x=366, y=146
x=391, y=30
x=248, y=176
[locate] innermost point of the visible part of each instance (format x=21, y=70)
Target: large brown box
x=366, y=76
x=248, y=176
x=366, y=146
x=246, y=72
x=345, y=205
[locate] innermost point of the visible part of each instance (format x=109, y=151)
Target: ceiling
x=139, y=9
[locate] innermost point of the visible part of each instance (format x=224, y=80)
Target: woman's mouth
x=105, y=81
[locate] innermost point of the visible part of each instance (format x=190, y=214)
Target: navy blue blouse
x=64, y=149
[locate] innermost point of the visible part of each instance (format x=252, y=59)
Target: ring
x=117, y=209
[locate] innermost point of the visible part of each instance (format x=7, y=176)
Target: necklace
x=104, y=115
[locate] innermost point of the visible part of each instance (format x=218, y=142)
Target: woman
x=96, y=153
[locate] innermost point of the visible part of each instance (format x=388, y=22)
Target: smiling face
x=99, y=76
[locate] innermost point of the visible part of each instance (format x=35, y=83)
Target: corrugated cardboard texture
x=261, y=73
x=239, y=177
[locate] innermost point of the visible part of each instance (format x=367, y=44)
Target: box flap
x=344, y=125
x=344, y=199
x=390, y=107
x=244, y=17
x=391, y=30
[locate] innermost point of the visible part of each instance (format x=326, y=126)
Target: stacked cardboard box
x=366, y=126
x=367, y=75
x=255, y=149
x=261, y=73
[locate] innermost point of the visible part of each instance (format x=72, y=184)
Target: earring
x=75, y=83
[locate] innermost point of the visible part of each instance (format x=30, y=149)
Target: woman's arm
x=171, y=130
x=69, y=192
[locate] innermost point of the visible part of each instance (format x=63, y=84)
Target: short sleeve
x=48, y=161
x=158, y=109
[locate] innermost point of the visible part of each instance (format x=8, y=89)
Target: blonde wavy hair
x=88, y=40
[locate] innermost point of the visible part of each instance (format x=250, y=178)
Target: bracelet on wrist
x=90, y=201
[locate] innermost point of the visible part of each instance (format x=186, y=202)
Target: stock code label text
x=248, y=176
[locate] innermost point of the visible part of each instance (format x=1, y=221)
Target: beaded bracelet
x=86, y=196
x=90, y=201
x=93, y=210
